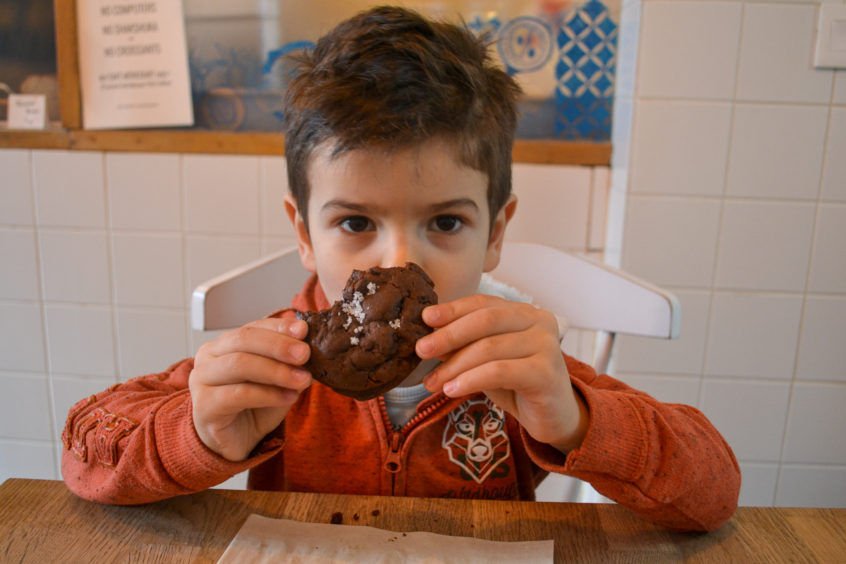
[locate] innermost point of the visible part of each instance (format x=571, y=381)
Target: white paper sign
x=27, y=111
x=133, y=64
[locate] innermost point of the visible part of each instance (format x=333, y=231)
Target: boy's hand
x=510, y=351
x=244, y=382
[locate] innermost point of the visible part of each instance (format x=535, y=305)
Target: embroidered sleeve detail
x=108, y=428
x=67, y=432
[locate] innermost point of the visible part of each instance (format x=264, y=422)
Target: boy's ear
x=498, y=233
x=303, y=240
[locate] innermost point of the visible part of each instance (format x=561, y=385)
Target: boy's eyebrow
x=456, y=203
x=339, y=203
x=343, y=204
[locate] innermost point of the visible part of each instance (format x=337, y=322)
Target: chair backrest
x=248, y=292
x=587, y=294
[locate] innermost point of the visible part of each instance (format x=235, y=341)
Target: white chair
x=586, y=294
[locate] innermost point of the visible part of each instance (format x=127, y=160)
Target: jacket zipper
x=393, y=462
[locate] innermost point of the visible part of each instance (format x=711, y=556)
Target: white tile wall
x=754, y=434
x=822, y=355
x=25, y=414
x=273, y=180
x=102, y=250
x=805, y=485
x=671, y=241
x=765, y=245
x=149, y=341
x=684, y=355
x=829, y=259
x=16, y=188
x=816, y=421
x=759, y=484
x=680, y=147
x=144, y=191
x=26, y=458
x=209, y=256
x=839, y=87
x=69, y=188
x=688, y=49
x=731, y=116
x=550, y=206
x=670, y=389
x=81, y=340
x=753, y=335
x=776, y=151
x=833, y=187
x=75, y=266
x=20, y=264
x=148, y=269
x=777, y=46
x=221, y=194
x=22, y=345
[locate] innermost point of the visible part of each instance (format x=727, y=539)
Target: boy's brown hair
x=389, y=78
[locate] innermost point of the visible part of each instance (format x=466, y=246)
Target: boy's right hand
x=245, y=381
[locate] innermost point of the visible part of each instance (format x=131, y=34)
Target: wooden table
x=41, y=521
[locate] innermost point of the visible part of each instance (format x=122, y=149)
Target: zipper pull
x=393, y=464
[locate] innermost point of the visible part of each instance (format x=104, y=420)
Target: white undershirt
x=402, y=403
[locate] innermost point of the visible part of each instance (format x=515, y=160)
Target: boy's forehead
x=433, y=165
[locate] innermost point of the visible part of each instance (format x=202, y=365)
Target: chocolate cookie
x=364, y=345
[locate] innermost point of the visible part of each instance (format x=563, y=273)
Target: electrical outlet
x=830, y=51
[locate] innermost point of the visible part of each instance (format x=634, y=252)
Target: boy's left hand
x=511, y=352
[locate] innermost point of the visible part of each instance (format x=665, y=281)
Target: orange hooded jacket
x=136, y=443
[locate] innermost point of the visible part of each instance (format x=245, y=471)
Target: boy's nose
x=399, y=253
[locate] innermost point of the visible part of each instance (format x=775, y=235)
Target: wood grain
x=41, y=521
x=47, y=139
x=67, y=63
x=255, y=143
x=176, y=141
x=542, y=151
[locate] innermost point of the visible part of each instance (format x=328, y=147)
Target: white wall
x=100, y=252
x=729, y=188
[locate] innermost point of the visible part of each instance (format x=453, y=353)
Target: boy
x=399, y=134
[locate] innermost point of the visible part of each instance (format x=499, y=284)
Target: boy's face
x=376, y=208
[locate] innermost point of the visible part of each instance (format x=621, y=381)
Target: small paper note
x=27, y=111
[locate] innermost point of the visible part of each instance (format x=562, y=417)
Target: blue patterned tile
x=587, y=39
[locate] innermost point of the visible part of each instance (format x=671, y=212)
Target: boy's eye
x=447, y=223
x=355, y=224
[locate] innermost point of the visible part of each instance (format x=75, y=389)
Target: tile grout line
x=806, y=290
x=111, y=265
x=48, y=368
x=186, y=271
x=721, y=216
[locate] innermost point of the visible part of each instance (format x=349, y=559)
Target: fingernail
x=425, y=346
x=431, y=315
x=300, y=376
x=299, y=328
x=451, y=388
x=428, y=380
x=299, y=351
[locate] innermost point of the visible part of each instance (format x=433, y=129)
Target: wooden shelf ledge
x=220, y=142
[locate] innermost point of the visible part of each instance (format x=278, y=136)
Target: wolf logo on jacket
x=475, y=438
